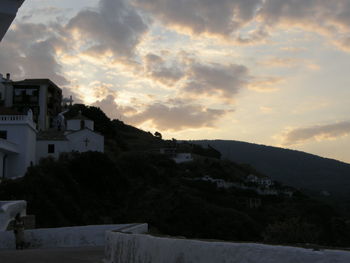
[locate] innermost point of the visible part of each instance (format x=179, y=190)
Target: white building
x=21, y=145
x=183, y=157
x=79, y=136
x=42, y=96
x=8, y=11
x=17, y=143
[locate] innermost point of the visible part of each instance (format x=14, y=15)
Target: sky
x=272, y=72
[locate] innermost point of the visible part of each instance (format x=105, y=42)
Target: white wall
x=42, y=149
x=144, y=248
x=23, y=134
x=73, y=125
x=9, y=209
x=183, y=157
x=77, y=141
x=89, y=124
x=82, y=236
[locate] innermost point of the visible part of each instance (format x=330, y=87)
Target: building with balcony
x=22, y=145
x=42, y=96
x=32, y=126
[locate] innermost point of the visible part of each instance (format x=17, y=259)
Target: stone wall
x=131, y=248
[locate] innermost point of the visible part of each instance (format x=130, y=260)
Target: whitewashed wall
x=131, y=248
x=23, y=134
x=42, y=149
x=76, y=141
x=82, y=236
x=73, y=125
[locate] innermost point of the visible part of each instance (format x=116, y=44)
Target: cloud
x=220, y=17
x=265, y=83
x=328, y=18
x=158, y=70
x=28, y=51
x=288, y=62
x=170, y=115
x=178, y=115
x=110, y=107
x=216, y=80
x=317, y=132
x=115, y=26
x=233, y=19
x=280, y=62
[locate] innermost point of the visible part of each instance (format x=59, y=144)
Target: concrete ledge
x=136, y=248
x=83, y=236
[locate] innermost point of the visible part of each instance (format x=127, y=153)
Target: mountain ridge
x=293, y=167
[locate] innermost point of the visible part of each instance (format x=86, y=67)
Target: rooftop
x=36, y=82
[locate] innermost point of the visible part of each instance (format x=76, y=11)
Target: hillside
x=318, y=175
x=133, y=182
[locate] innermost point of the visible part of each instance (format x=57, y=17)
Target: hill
x=319, y=176
x=133, y=182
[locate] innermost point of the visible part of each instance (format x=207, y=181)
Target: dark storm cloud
x=328, y=131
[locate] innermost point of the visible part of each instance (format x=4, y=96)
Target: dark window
x=82, y=124
x=3, y=135
x=51, y=148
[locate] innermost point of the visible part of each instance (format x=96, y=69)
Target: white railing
x=13, y=117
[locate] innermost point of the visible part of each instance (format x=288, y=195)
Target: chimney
x=8, y=76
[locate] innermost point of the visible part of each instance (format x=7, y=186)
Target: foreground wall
x=8, y=210
x=130, y=248
x=83, y=236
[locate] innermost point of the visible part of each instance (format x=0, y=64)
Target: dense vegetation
x=131, y=182
x=325, y=179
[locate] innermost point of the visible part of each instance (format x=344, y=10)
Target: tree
x=158, y=135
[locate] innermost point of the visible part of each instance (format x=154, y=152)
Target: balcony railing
x=13, y=117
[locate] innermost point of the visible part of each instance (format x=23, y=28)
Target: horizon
x=266, y=72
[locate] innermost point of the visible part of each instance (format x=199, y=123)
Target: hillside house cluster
x=33, y=126
x=178, y=157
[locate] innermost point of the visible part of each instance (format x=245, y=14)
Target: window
x=3, y=135
x=51, y=148
x=82, y=124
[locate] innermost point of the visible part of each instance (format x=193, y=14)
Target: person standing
x=18, y=229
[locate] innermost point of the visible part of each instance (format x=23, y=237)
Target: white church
x=32, y=126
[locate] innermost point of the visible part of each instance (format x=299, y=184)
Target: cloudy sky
x=273, y=72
